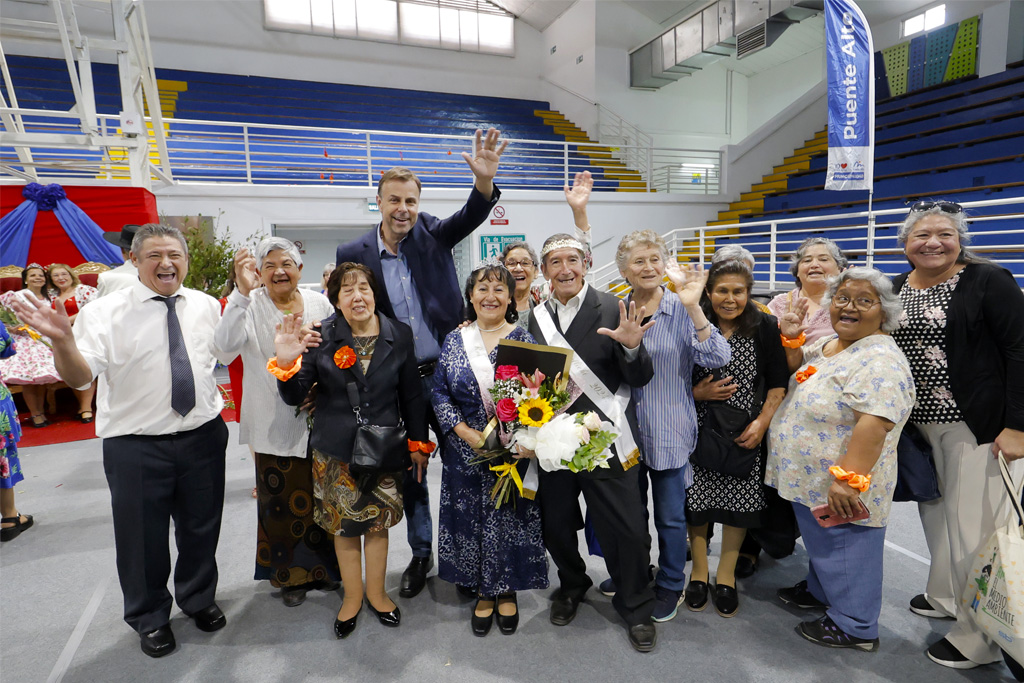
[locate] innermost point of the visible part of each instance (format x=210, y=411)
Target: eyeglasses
x=945, y=207
x=862, y=304
x=510, y=264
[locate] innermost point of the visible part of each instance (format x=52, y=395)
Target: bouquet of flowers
x=574, y=442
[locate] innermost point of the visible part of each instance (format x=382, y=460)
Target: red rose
x=506, y=408
x=506, y=372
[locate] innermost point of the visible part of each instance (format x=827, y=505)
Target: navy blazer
x=605, y=357
x=428, y=251
x=390, y=389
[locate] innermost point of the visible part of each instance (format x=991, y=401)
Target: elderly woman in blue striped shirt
x=681, y=337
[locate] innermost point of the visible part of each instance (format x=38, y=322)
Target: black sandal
x=11, y=532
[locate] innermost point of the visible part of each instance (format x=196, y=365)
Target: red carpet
x=65, y=426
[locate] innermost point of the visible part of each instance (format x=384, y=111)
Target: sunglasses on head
x=945, y=207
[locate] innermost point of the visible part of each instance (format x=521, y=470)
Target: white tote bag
x=994, y=595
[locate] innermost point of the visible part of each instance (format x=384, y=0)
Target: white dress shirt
x=266, y=423
x=123, y=337
x=122, y=277
x=567, y=313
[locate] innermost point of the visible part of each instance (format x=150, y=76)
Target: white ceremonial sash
x=612, y=405
x=480, y=364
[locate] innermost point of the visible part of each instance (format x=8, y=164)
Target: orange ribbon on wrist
x=803, y=375
x=283, y=374
x=861, y=482
x=426, y=447
x=793, y=343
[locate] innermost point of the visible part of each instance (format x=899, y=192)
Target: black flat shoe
x=696, y=596
x=12, y=532
x=745, y=567
x=727, y=600
x=465, y=591
x=39, y=425
x=482, y=625
x=391, y=619
x=210, y=619
x=343, y=629
x=158, y=642
x=507, y=624
x=563, y=609
x=86, y=420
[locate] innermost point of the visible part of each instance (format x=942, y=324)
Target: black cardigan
x=391, y=387
x=985, y=349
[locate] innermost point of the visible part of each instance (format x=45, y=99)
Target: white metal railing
x=629, y=144
x=772, y=241
x=219, y=151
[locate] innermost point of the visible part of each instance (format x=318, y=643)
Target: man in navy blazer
x=410, y=254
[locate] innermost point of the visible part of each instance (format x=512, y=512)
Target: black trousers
x=152, y=480
x=617, y=515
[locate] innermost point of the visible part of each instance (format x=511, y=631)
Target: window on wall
x=925, y=21
x=464, y=25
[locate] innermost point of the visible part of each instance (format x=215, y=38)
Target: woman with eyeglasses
x=963, y=333
x=832, y=453
x=521, y=260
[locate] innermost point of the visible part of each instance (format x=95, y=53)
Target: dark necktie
x=183, y=385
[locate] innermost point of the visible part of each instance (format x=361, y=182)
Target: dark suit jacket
x=428, y=249
x=604, y=356
x=985, y=349
x=391, y=387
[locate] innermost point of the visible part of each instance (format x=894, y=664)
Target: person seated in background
x=365, y=367
x=32, y=367
x=833, y=444
x=279, y=436
x=152, y=347
x=68, y=290
x=126, y=274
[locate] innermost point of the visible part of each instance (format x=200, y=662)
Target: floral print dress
x=33, y=364
x=10, y=430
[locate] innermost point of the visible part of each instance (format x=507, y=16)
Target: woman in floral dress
x=13, y=522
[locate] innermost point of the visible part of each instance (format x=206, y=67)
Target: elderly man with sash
x=608, y=359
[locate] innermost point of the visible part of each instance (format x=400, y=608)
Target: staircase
x=169, y=91
x=612, y=169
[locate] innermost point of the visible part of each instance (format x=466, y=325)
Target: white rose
x=582, y=434
x=556, y=441
x=592, y=421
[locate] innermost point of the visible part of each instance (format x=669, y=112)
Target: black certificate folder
x=550, y=360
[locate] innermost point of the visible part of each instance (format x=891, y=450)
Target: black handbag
x=377, y=448
x=716, y=443
x=916, y=479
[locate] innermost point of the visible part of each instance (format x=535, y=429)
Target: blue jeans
x=419, y=526
x=669, y=492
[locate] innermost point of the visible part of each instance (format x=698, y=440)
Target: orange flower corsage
x=426, y=447
x=283, y=374
x=345, y=357
x=803, y=375
x=861, y=482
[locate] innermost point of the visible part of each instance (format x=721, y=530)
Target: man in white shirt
x=125, y=275
x=152, y=348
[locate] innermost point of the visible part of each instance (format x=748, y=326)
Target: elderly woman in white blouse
x=292, y=552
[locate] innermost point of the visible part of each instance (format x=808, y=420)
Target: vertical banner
x=849, y=61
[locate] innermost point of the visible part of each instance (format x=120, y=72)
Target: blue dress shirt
x=405, y=301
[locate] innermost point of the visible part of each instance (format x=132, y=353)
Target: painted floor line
x=909, y=553
x=68, y=653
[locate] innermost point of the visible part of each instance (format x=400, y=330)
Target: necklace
x=493, y=329
x=365, y=345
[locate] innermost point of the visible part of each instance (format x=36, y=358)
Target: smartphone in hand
x=826, y=518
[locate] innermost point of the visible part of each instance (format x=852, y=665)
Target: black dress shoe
x=563, y=609
x=696, y=596
x=293, y=596
x=343, y=629
x=482, y=625
x=643, y=637
x=158, y=642
x=415, y=576
x=392, y=618
x=745, y=567
x=507, y=624
x=327, y=586
x=727, y=600
x=210, y=619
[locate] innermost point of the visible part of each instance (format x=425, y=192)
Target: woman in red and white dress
x=73, y=294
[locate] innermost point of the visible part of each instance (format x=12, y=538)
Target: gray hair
x=551, y=244
x=329, y=267
x=639, y=238
x=520, y=245
x=957, y=220
x=833, y=249
x=892, y=307
x=269, y=244
x=157, y=230
x=734, y=252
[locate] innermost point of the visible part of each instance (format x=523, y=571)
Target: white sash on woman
x=612, y=405
x=480, y=364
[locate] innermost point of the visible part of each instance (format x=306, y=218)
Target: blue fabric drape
x=16, y=227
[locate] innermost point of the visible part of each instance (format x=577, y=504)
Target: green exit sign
x=493, y=245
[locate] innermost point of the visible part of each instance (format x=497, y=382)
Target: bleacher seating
x=203, y=150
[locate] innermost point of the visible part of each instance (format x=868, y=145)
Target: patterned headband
x=489, y=262
x=570, y=243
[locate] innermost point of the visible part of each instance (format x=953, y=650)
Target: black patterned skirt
x=345, y=506
x=291, y=549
